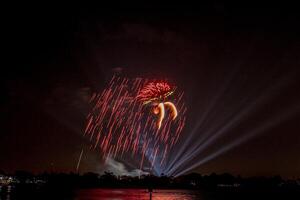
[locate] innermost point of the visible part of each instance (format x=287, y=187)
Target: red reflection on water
x=133, y=194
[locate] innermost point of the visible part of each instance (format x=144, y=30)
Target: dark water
x=142, y=194
x=63, y=193
x=130, y=194
x=98, y=194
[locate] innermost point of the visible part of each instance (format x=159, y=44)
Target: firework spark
x=160, y=109
x=79, y=161
x=121, y=120
x=173, y=109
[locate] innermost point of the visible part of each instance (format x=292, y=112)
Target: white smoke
x=120, y=169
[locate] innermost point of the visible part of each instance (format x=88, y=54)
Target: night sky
x=227, y=58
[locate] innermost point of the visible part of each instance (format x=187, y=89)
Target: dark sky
x=243, y=57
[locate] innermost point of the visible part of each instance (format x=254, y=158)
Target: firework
x=79, y=161
x=159, y=110
x=155, y=92
x=133, y=116
x=173, y=109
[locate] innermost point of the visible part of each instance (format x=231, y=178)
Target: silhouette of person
x=150, y=190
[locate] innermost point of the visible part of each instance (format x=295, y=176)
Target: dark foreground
x=9, y=193
x=92, y=186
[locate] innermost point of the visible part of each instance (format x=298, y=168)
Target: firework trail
x=136, y=116
x=79, y=160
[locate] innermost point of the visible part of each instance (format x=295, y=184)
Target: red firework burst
x=119, y=122
x=155, y=91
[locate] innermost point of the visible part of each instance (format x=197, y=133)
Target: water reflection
x=133, y=194
x=5, y=192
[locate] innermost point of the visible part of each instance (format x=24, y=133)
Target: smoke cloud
x=120, y=169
